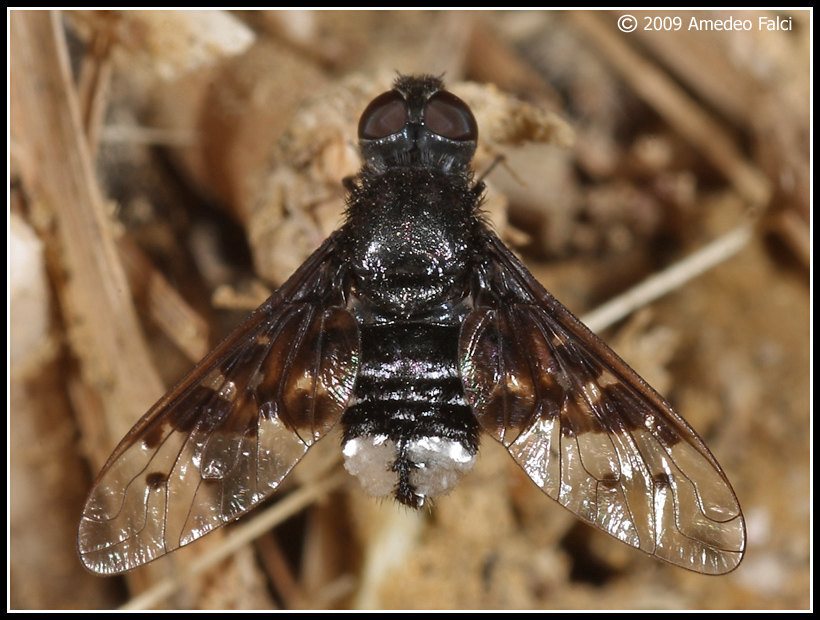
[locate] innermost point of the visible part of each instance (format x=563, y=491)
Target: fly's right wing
x=587, y=429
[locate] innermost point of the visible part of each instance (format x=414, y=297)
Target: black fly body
x=417, y=331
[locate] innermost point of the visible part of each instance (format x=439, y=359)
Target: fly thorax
x=413, y=250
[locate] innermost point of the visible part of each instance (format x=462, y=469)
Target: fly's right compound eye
x=449, y=117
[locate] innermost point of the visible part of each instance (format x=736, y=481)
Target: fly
x=417, y=331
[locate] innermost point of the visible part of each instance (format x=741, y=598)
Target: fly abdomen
x=408, y=430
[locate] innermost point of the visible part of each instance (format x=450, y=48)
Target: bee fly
x=415, y=329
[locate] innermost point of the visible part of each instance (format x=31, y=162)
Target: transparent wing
x=224, y=438
x=587, y=430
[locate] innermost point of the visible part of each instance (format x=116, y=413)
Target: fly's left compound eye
x=448, y=116
x=385, y=115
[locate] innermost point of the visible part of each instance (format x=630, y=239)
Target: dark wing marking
x=224, y=438
x=587, y=430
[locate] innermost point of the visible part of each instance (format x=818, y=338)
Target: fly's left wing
x=587, y=429
x=224, y=438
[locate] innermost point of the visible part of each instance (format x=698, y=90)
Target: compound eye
x=448, y=116
x=385, y=115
